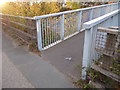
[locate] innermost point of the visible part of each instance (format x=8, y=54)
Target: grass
x=97, y=76
x=32, y=47
x=114, y=67
x=93, y=76
x=82, y=84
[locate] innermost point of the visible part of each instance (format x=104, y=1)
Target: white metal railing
x=54, y=28
x=89, y=53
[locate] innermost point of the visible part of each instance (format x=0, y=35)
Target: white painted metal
x=65, y=20
x=98, y=20
x=90, y=27
x=86, y=53
x=72, y=11
x=39, y=36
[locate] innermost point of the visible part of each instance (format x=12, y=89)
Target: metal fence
x=53, y=28
x=90, y=54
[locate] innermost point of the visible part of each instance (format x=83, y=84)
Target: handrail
x=90, y=28
x=16, y=16
x=43, y=23
x=59, y=13
x=98, y=20
x=71, y=11
x=23, y=25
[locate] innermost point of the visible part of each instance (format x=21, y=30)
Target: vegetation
x=97, y=76
x=30, y=9
x=113, y=65
x=36, y=8
x=82, y=84
x=50, y=36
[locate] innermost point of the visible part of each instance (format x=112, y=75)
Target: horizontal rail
x=57, y=26
x=21, y=34
x=108, y=30
x=98, y=20
x=22, y=27
x=59, y=13
x=71, y=11
x=28, y=27
x=107, y=73
x=16, y=16
x=26, y=34
x=90, y=43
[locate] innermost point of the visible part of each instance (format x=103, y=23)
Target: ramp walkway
x=38, y=72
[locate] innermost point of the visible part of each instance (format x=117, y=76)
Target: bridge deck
x=69, y=48
x=38, y=72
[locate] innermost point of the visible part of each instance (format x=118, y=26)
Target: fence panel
x=70, y=23
x=90, y=37
x=56, y=27
x=51, y=30
x=86, y=16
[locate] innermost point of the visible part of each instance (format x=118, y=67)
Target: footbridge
x=66, y=39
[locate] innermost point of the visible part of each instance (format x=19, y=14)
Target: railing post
x=79, y=20
x=39, y=34
x=86, y=53
x=62, y=27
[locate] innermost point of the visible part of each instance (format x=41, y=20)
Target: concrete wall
x=69, y=48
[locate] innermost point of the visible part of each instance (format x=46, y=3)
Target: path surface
x=12, y=77
x=24, y=69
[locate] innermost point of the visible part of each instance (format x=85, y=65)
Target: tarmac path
x=23, y=69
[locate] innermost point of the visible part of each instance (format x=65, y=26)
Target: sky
x=59, y=0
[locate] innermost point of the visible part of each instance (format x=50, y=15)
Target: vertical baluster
x=52, y=26
x=49, y=31
x=55, y=29
x=48, y=38
x=43, y=35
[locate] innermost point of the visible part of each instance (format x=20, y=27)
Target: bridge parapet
x=91, y=27
x=56, y=27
